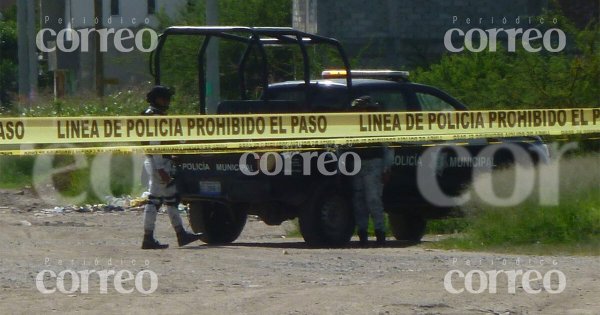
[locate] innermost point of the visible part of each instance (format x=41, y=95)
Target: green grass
x=571, y=226
x=464, y=243
x=17, y=172
x=120, y=179
x=123, y=103
x=447, y=226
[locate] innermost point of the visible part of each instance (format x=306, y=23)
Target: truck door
x=402, y=188
x=452, y=162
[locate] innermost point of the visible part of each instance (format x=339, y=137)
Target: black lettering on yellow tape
x=288, y=127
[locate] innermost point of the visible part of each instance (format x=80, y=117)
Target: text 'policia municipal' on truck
x=221, y=193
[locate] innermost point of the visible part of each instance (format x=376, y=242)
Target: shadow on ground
x=303, y=245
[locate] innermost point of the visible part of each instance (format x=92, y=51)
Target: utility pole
x=32, y=57
x=27, y=51
x=98, y=14
x=213, y=78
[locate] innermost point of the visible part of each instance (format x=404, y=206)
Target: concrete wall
x=399, y=33
x=83, y=12
x=138, y=9
x=120, y=69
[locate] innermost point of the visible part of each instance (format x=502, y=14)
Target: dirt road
x=262, y=273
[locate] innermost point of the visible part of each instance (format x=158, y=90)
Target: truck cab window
x=334, y=100
x=390, y=100
x=432, y=103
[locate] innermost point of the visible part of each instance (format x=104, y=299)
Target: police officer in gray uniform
x=161, y=185
x=376, y=162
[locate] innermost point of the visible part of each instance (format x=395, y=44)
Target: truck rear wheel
x=219, y=223
x=328, y=220
x=407, y=227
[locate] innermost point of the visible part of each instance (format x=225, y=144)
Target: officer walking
x=368, y=183
x=162, y=187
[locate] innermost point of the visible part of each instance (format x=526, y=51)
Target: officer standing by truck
x=161, y=185
x=376, y=162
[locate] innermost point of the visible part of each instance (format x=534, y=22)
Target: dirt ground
x=262, y=273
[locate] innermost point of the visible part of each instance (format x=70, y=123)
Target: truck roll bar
x=259, y=37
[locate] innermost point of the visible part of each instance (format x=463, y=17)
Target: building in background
x=376, y=33
x=108, y=71
x=403, y=33
x=6, y=3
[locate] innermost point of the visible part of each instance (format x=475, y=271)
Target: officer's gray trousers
x=368, y=193
x=159, y=194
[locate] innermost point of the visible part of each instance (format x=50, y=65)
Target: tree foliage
x=524, y=80
x=8, y=56
x=179, y=59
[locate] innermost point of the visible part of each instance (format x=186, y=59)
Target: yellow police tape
x=225, y=133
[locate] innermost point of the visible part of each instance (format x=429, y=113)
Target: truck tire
x=407, y=227
x=219, y=223
x=328, y=220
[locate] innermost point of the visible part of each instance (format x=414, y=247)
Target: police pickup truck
x=279, y=185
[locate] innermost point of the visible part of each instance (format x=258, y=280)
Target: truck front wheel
x=406, y=226
x=327, y=220
x=219, y=223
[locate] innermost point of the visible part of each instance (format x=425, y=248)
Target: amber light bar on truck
x=392, y=75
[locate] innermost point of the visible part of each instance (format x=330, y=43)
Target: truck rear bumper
x=228, y=190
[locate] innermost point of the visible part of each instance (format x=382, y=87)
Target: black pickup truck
x=222, y=189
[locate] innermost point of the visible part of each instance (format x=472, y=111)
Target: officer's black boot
x=151, y=243
x=380, y=235
x=363, y=237
x=184, y=237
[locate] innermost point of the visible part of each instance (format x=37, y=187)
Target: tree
x=580, y=12
x=178, y=63
x=8, y=56
x=502, y=79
